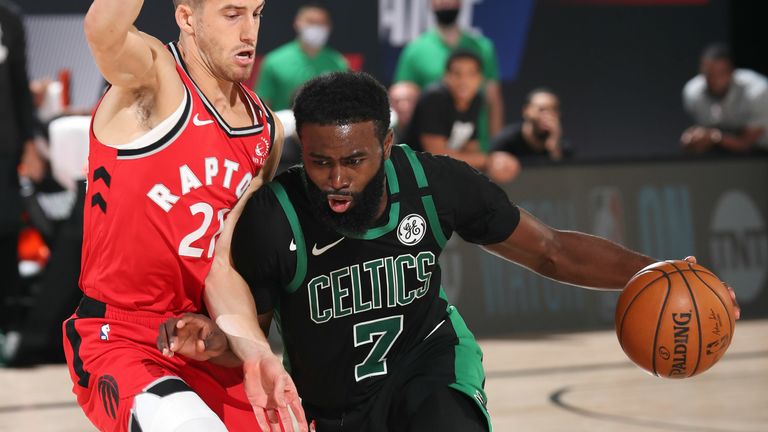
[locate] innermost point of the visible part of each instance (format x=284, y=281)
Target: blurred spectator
x=446, y=115
x=423, y=60
x=729, y=107
x=403, y=97
x=540, y=135
x=289, y=66
x=16, y=145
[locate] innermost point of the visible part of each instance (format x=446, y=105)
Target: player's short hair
x=193, y=3
x=463, y=54
x=341, y=98
x=717, y=51
x=313, y=5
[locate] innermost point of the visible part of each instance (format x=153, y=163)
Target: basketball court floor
x=554, y=382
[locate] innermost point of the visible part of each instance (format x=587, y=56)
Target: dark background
x=619, y=66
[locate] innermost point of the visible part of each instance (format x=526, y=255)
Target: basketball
x=675, y=319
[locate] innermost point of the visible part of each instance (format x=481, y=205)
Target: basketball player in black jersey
x=342, y=252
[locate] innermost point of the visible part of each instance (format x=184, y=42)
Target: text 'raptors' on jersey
x=174, y=187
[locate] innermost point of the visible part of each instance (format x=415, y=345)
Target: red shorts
x=112, y=356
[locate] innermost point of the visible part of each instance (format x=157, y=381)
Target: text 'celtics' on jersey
x=359, y=311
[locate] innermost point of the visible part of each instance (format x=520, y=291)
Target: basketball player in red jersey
x=175, y=142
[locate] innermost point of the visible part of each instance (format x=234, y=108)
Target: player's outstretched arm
x=569, y=256
x=125, y=56
x=268, y=386
x=197, y=337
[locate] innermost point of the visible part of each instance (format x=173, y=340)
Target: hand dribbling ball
x=675, y=319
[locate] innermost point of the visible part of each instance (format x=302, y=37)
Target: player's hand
x=736, y=308
x=32, y=164
x=192, y=335
x=502, y=167
x=273, y=395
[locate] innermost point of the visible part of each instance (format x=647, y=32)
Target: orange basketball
x=675, y=319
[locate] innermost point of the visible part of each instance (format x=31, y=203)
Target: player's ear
x=185, y=18
x=388, y=143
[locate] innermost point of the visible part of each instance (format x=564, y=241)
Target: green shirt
x=423, y=59
x=288, y=67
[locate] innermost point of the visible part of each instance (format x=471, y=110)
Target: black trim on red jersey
x=270, y=120
x=91, y=308
x=101, y=173
x=166, y=140
x=230, y=131
x=74, y=339
x=98, y=200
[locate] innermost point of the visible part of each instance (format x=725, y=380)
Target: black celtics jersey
x=354, y=309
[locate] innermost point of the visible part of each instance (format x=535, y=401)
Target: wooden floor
x=572, y=382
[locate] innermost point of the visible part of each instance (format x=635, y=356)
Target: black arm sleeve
x=260, y=246
x=468, y=202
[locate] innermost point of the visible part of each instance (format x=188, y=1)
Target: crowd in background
x=446, y=99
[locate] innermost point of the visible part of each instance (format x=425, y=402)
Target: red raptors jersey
x=153, y=212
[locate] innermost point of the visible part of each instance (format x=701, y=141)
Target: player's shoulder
x=755, y=84
x=695, y=88
x=435, y=167
x=478, y=41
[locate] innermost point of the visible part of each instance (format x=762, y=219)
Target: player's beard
x=360, y=216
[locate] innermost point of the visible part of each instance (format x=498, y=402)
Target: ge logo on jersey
x=411, y=229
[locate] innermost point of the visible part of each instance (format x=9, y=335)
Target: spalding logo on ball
x=675, y=319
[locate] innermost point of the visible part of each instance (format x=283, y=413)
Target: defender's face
x=226, y=32
x=342, y=159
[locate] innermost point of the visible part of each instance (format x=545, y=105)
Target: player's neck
x=222, y=93
x=450, y=34
x=311, y=52
x=383, y=202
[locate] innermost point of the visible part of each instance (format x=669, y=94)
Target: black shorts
x=424, y=392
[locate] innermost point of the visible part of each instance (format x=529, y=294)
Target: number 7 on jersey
x=387, y=329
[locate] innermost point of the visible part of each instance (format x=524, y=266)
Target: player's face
x=226, y=32
x=345, y=168
x=718, y=73
x=541, y=111
x=463, y=79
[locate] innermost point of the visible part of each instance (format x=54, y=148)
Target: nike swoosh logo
x=197, y=122
x=292, y=246
x=324, y=249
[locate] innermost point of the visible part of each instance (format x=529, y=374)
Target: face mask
x=447, y=17
x=314, y=36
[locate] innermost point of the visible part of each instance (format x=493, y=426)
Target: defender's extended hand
x=273, y=395
x=192, y=335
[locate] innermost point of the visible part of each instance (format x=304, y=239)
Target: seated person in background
x=445, y=119
x=540, y=135
x=403, y=97
x=729, y=107
x=289, y=66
